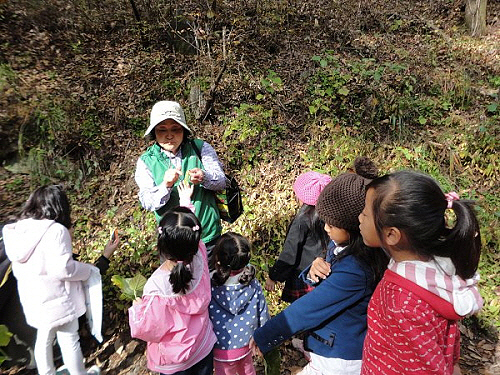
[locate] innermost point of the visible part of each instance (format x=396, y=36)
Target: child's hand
x=320, y=269
x=254, y=348
x=185, y=190
x=136, y=301
x=196, y=175
x=171, y=176
x=111, y=246
x=270, y=284
x=456, y=370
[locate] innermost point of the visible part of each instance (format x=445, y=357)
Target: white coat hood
x=22, y=237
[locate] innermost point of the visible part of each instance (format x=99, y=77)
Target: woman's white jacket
x=49, y=279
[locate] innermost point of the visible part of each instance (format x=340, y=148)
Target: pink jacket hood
x=22, y=237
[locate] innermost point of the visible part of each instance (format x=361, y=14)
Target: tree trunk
x=475, y=16
x=136, y=12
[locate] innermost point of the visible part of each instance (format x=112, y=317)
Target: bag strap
x=196, y=149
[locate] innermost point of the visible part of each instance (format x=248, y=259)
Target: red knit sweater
x=410, y=330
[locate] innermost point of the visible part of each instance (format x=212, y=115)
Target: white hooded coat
x=49, y=279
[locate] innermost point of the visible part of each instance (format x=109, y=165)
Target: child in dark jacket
x=305, y=239
x=334, y=312
x=238, y=306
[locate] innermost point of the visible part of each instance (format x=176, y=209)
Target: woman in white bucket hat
x=175, y=157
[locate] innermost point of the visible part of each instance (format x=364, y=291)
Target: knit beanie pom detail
x=309, y=185
x=343, y=199
x=365, y=168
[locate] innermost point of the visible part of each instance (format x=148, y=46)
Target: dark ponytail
x=463, y=241
x=247, y=275
x=178, y=239
x=414, y=203
x=180, y=277
x=232, y=253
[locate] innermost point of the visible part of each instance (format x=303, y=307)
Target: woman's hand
x=111, y=246
x=320, y=269
x=270, y=285
x=254, y=348
x=196, y=175
x=171, y=176
x=185, y=190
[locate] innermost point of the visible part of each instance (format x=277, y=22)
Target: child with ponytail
x=431, y=282
x=172, y=315
x=238, y=305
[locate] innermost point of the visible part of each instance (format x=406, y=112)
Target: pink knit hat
x=309, y=185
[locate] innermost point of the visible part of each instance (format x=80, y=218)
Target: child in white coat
x=49, y=279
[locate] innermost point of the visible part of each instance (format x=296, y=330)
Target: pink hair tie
x=450, y=197
x=180, y=262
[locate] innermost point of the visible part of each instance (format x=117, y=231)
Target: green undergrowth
x=393, y=99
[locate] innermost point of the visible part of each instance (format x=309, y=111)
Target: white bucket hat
x=166, y=110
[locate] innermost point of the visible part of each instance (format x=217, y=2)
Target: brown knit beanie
x=343, y=199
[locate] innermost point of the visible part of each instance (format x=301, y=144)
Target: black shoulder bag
x=229, y=200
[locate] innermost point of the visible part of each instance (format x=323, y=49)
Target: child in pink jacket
x=172, y=315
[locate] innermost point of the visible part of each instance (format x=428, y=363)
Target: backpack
x=229, y=201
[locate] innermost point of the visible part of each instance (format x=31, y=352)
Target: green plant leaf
x=5, y=335
x=131, y=287
x=137, y=284
x=276, y=80
x=343, y=91
x=492, y=108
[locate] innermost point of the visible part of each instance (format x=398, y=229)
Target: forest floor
x=112, y=73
